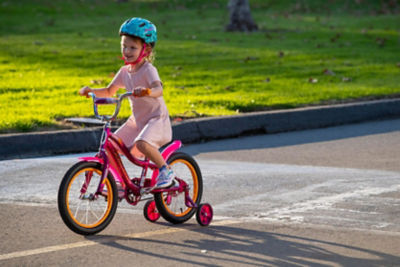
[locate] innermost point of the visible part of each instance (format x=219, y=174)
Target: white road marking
x=325, y=203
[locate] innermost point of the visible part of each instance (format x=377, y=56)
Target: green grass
x=50, y=49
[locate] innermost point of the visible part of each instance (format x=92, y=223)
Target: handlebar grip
x=145, y=92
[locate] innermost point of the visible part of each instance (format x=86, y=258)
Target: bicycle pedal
x=146, y=190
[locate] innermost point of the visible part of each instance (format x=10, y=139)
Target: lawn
x=305, y=53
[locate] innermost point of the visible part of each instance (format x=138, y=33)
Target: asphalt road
x=324, y=197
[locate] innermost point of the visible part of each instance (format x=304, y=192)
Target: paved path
x=325, y=197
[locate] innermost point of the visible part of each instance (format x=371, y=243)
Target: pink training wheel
x=204, y=214
x=150, y=211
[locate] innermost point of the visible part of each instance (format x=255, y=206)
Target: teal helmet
x=141, y=28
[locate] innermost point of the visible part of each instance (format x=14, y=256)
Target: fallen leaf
x=39, y=43
x=380, y=41
x=96, y=81
x=50, y=22
x=328, y=72
x=268, y=36
x=250, y=58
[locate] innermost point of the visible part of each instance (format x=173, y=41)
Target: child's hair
x=151, y=57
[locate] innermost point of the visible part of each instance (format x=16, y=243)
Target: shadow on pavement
x=228, y=245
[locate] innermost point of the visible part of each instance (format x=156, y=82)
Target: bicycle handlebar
x=117, y=101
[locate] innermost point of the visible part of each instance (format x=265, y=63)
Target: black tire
x=185, y=168
x=92, y=220
x=150, y=211
x=204, y=214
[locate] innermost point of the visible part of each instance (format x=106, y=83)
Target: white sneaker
x=165, y=178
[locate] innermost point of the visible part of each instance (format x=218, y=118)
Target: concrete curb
x=14, y=146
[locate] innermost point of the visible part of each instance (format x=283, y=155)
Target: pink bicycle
x=90, y=190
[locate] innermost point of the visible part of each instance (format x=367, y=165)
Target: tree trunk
x=241, y=19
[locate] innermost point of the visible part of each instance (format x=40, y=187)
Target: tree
x=240, y=17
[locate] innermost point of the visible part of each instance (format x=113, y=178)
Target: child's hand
x=84, y=91
x=141, y=91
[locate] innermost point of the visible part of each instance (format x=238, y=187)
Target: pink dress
x=150, y=119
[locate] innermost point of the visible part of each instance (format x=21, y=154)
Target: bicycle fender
x=174, y=146
x=113, y=172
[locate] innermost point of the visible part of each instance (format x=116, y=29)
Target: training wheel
x=150, y=211
x=204, y=214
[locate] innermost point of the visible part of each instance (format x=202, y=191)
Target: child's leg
x=165, y=176
x=151, y=153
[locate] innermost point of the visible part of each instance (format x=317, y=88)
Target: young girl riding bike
x=149, y=127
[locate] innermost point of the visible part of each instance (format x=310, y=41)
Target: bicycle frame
x=109, y=156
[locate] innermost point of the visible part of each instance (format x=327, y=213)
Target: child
x=149, y=127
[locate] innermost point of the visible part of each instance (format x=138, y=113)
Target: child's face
x=130, y=48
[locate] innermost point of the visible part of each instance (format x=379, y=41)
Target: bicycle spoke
x=94, y=214
x=77, y=209
x=87, y=212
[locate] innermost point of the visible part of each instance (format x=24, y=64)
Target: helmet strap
x=142, y=55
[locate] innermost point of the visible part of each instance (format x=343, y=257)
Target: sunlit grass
x=296, y=59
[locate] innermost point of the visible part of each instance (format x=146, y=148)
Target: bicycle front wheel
x=172, y=206
x=81, y=209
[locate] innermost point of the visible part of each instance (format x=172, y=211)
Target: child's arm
x=108, y=91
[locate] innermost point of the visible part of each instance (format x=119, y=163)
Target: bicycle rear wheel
x=81, y=209
x=172, y=206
